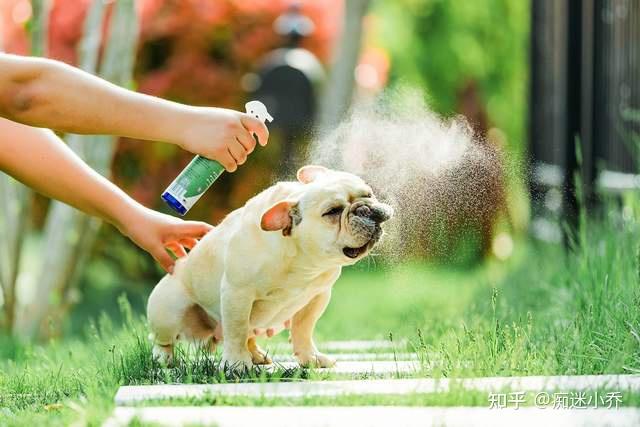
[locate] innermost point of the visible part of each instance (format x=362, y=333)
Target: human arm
x=39, y=159
x=46, y=93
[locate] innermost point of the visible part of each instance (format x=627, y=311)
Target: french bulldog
x=269, y=265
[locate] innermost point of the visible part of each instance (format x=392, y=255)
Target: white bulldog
x=268, y=265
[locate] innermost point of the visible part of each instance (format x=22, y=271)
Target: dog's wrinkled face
x=335, y=217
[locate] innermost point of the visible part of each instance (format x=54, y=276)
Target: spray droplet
x=446, y=185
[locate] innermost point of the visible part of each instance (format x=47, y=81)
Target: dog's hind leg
x=198, y=326
x=166, y=310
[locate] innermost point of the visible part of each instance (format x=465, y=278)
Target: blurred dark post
x=585, y=84
x=547, y=123
x=574, y=134
x=287, y=82
x=616, y=92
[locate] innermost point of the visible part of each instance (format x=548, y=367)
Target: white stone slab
x=355, y=367
x=127, y=395
x=336, y=347
x=356, y=357
x=373, y=416
x=361, y=345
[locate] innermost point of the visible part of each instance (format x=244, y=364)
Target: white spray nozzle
x=258, y=110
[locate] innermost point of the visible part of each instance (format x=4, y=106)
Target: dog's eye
x=334, y=211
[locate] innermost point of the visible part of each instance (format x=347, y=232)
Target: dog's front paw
x=237, y=361
x=315, y=359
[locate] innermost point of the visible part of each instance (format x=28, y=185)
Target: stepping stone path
x=382, y=359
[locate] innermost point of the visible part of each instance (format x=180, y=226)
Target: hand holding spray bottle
x=201, y=172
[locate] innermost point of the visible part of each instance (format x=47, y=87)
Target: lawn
x=544, y=311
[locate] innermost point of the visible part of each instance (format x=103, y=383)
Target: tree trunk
x=40, y=27
x=14, y=199
x=339, y=90
x=69, y=234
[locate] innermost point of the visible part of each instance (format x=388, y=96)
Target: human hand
x=221, y=134
x=156, y=232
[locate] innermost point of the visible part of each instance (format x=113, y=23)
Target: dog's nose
x=377, y=213
x=380, y=213
x=363, y=211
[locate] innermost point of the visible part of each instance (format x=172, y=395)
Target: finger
x=177, y=249
x=188, y=229
x=164, y=259
x=247, y=140
x=226, y=159
x=238, y=152
x=229, y=162
x=188, y=243
x=195, y=229
x=255, y=126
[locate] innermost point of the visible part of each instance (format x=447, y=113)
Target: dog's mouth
x=355, y=252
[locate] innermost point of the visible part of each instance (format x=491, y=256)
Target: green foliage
x=440, y=45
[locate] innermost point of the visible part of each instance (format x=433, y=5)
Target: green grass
x=545, y=311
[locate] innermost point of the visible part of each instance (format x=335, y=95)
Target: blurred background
x=548, y=92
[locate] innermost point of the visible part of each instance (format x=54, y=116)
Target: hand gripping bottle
x=198, y=176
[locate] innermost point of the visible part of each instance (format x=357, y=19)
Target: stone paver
x=355, y=367
x=127, y=395
x=356, y=346
x=356, y=357
x=377, y=416
x=365, y=348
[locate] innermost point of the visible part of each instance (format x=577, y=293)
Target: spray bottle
x=198, y=176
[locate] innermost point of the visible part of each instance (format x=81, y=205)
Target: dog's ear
x=309, y=173
x=280, y=217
